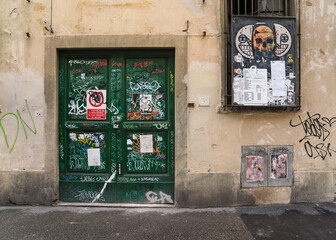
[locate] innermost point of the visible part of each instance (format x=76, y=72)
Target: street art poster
x=96, y=104
x=279, y=166
x=265, y=46
x=254, y=168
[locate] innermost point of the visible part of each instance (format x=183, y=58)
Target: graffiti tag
x=318, y=128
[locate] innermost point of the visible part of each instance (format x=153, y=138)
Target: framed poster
x=263, y=66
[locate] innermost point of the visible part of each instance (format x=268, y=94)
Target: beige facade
x=208, y=141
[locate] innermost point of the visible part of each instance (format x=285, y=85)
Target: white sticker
x=291, y=75
x=278, y=74
x=129, y=148
x=134, y=137
x=159, y=139
x=93, y=157
x=146, y=143
x=82, y=76
x=73, y=136
x=129, y=142
x=81, y=136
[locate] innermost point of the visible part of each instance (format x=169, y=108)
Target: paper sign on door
x=96, y=104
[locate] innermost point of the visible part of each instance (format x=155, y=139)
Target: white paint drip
x=103, y=189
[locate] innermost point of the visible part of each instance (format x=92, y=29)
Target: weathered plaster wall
x=208, y=172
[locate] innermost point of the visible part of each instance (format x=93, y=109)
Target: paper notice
x=238, y=87
x=146, y=143
x=93, y=157
x=255, y=86
x=278, y=73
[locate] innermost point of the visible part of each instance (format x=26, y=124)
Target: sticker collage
x=263, y=62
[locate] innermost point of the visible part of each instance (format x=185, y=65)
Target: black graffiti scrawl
x=317, y=131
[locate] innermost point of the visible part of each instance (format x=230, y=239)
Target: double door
x=116, y=126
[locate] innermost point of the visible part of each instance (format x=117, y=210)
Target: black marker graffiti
x=316, y=127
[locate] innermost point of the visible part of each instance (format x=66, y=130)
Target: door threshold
x=116, y=205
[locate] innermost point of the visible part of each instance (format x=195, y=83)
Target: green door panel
x=88, y=152
x=116, y=126
x=146, y=153
x=146, y=89
x=84, y=75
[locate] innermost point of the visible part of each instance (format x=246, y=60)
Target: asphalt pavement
x=304, y=221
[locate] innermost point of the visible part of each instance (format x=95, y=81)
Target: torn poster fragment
x=279, y=165
x=94, y=157
x=254, y=169
x=73, y=136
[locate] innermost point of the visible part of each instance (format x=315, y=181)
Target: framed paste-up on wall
x=263, y=61
x=267, y=166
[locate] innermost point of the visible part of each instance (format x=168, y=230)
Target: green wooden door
x=116, y=126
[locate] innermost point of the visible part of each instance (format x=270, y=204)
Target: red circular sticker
x=96, y=99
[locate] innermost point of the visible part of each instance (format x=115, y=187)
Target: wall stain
x=322, y=52
x=39, y=7
x=127, y=4
x=308, y=3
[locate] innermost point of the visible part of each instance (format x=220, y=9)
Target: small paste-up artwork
x=146, y=102
x=279, y=164
x=146, y=143
x=93, y=157
x=254, y=168
x=129, y=142
x=96, y=104
x=82, y=76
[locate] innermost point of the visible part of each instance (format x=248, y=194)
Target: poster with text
x=96, y=104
